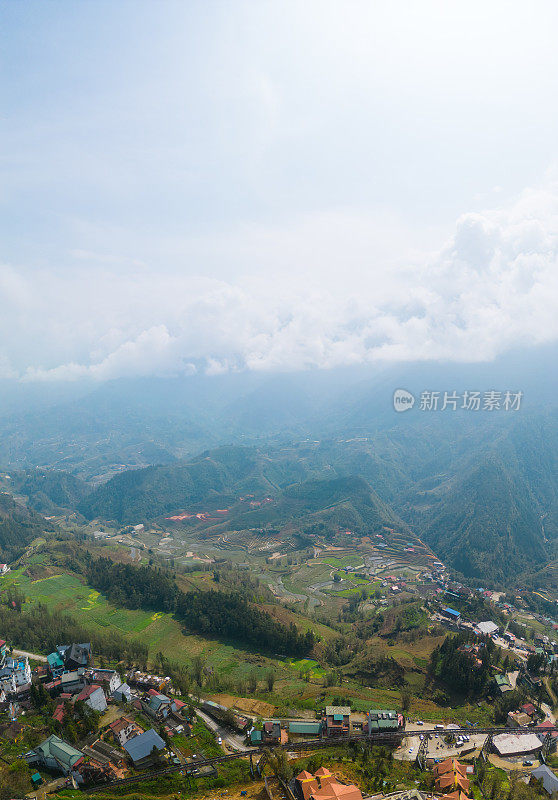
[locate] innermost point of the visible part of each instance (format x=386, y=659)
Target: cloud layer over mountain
x=330, y=295
x=276, y=185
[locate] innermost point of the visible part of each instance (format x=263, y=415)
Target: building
x=59, y=713
x=14, y=674
x=380, y=720
x=451, y=776
x=56, y=755
x=518, y=719
x=451, y=613
x=123, y=693
x=109, y=679
x=94, y=697
x=304, y=729
x=144, y=749
x=547, y=728
x=76, y=656
x=55, y=664
x=516, y=744
x=4, y=568
x=324, y=786
x=255, y=737
x=502, y=684
x=486, y=628
x=306, y=784
x=103, y=763
x=158, y=706
x=271, y=731
x=69, y=682
x=336, y=720
x=124, y=729
x=547, y=777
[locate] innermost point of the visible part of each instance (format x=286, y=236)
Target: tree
x=252, y=682
x=278, y=762
x=405, y=699
x=198, y=666
x=270, y=680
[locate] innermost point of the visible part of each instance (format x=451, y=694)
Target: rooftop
x=142, y=746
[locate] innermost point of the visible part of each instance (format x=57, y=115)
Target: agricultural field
x=298, y=683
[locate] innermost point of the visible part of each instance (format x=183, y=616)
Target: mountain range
x=479, y=488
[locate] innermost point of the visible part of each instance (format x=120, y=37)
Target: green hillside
x=49, y=491
x=18, y=528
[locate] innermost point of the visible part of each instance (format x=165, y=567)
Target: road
x=437, y=748
x=33, y=656
x=234, y=740
x=314, y=744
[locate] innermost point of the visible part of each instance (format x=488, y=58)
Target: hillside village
x=108, y=726
x=84, y=720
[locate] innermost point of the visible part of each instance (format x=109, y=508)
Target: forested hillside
x=50, y=491
x=18, y=528
x=227, y=615
x=487, y=526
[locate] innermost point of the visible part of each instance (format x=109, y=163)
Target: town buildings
x=323, y=785
x=56, y=755
x=336, y=720
x=144, y=749
x=94, y=697
x=124, y=729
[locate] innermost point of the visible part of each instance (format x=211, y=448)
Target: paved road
x=33, y=656
x=234, y=741
x=437, y=748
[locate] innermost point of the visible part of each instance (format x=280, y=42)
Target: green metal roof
x=305, y=727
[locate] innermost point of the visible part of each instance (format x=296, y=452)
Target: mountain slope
x=486, y=526
x=18, y=528
x=49, y=491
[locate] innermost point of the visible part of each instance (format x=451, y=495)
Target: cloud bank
x=317, y=293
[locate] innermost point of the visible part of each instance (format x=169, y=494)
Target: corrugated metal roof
x=141, y=746
x=305, y=727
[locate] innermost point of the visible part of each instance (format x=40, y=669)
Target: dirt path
x=33, y=656
x=548, y=687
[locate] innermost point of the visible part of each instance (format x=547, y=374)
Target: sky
x=214, y=186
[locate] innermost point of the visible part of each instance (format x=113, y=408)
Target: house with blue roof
x=145, y=748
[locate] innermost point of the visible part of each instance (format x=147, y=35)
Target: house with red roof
x=94, y=697
x=323, y=785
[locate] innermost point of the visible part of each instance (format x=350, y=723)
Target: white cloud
x=320, y=292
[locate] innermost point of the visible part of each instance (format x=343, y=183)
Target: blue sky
x=274, y=185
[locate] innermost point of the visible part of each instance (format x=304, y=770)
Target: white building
x=123, y=693
x=108, y=678
x=516, y=744
x=487, y=628
x=14, y=673
x=94, y=697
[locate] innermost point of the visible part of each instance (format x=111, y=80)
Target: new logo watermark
x=469, y=400
x=403, y=400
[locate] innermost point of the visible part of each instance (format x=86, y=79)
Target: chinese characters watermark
x=468, y=400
